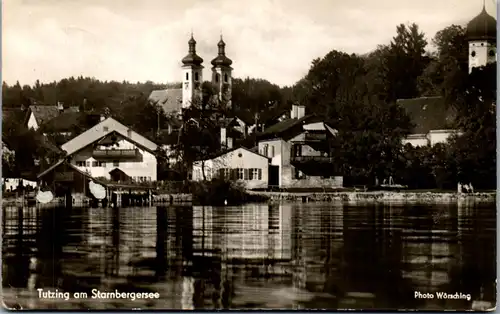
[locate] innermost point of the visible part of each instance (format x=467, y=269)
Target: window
x=196, y=76
x=240, y=174
x=272, y=151
x=80, y=163
x=473, y=54
x=116, y=163
x=225, y=78
x=255, y=174
x=265, y=150
x=217, y=78
x=105, y=128
x=87, y=164
x=492, y=53
x=94, y=164
x=187, y=76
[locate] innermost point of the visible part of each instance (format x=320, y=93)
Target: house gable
x=101, y=130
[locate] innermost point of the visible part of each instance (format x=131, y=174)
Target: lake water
x=257, y=256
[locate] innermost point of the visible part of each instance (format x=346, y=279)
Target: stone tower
x=192, y=76
x=221, y=74
x=482, y=37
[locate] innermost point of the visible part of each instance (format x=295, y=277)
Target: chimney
x=294, y=112
x=301, y=111
x=223, y=136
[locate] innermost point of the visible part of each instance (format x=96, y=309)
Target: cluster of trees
x=356, y=93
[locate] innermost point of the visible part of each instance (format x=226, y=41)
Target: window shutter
x=246, y=175
x=234, y=174
x=221, y=173
x=260, y=173
x=250, y=174
x=272, y=151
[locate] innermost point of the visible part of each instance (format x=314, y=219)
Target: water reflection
x=293, y=256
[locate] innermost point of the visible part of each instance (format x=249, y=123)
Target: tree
x=474, y=151
x=404, y=62
x=446, y=74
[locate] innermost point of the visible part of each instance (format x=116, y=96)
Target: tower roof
x=482, y=27
x=192, y=58
x=221, y=59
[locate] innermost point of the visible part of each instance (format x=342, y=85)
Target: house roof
x=232, y=150
x=64, y=161
x=44, y=113
x=279, y=129
x=169, y=99
x=428, y=113
x=62, y=123
x=101, y=130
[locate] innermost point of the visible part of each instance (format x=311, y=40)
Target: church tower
x=221, y=74
x=482, y=38
x=192, y=78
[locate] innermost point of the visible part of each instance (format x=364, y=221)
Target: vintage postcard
x=263, y=155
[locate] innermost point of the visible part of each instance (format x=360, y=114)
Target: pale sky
x=140, y=40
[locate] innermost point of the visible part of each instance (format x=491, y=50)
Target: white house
x=113, y=151
x=240, y=164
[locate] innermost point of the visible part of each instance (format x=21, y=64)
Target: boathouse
x=108, y=153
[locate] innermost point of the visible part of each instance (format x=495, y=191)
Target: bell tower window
x=187, y=76
x=196, y=78
x=217, y=78
x=225, y=78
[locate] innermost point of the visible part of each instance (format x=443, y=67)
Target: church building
x=175, y=100
x=432, y=118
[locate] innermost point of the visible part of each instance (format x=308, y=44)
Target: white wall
x=32, y=124
x=440, y=136
x=416, y=140
x=482, y=50
x=146, y=168
x=239, y=158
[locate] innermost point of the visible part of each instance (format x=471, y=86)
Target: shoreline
x=305, y=197
x=376, y=196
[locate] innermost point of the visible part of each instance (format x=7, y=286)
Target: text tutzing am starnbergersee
x=96, y=294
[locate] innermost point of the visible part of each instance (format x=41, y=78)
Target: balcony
x=315, y=137
x=115, y=153
x=311, y=159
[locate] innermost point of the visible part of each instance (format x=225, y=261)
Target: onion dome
x=192, y=58
x=482, y=27
x=221, y=59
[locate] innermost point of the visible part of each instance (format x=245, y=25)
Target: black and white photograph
x=249, y=155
